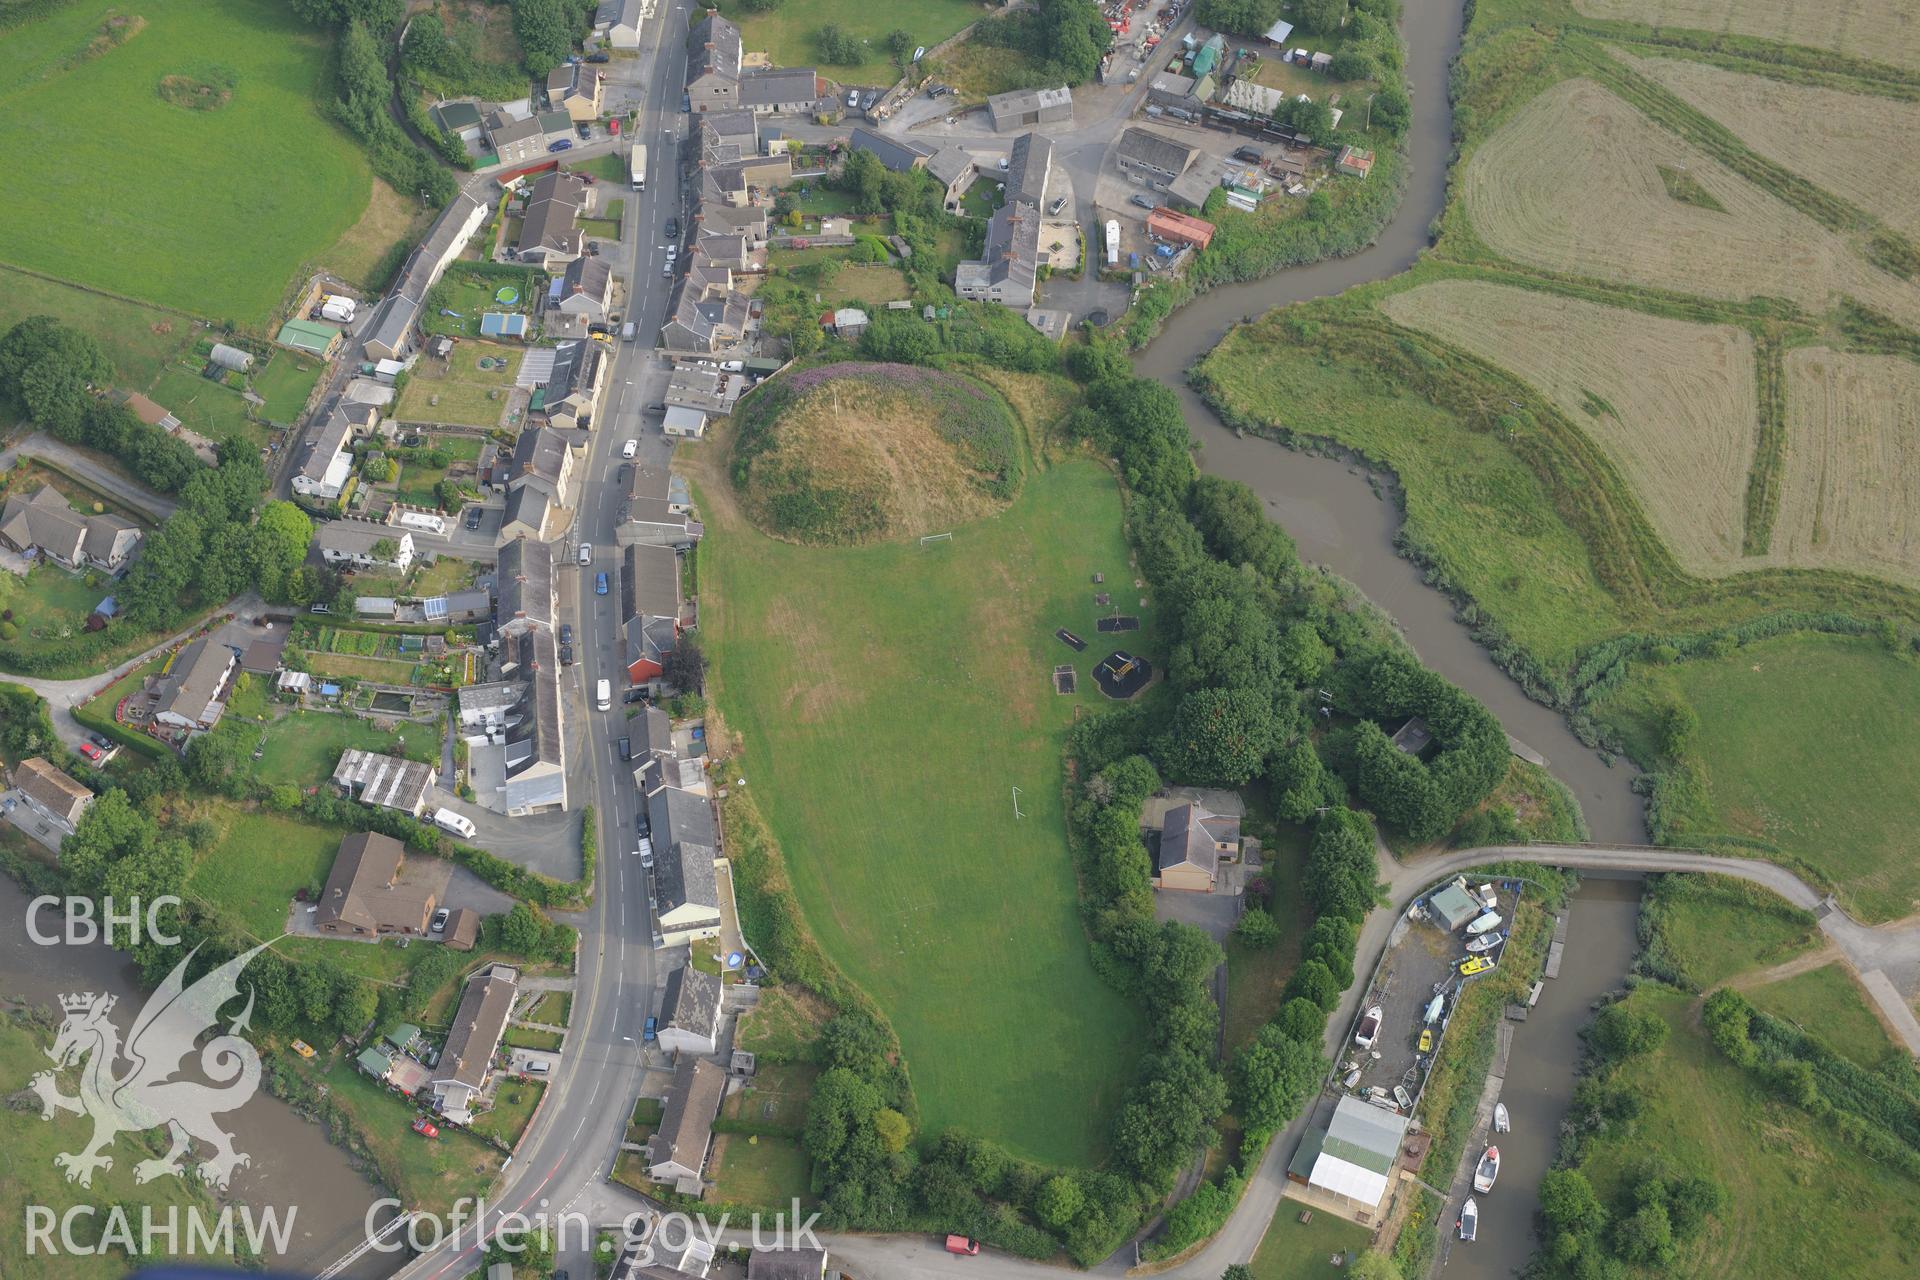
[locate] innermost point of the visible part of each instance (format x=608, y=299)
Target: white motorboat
x=1434, y=1008
x=1486, y=942
x=1485, y=924
x=1469, y=1223
x=1487, y=1170
x=1369, y=1029
x=1502, y=1123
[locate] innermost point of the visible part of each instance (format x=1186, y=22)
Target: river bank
x=288, y=1168
x=1336, y=513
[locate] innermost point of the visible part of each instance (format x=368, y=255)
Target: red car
x=91, y=752
x=960, y=1244
x=426, y=1128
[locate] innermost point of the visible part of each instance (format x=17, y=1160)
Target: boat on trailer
x=1487, y=1170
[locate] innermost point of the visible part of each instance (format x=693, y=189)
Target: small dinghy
x=1353, y=1078
x=1485, y=924
x=1487, y=1170
x=1434, y=1008
x=1486, y=942
x=1502, y=1123
x=1469, y=1223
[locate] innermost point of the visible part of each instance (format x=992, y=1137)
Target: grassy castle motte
x=854, y=452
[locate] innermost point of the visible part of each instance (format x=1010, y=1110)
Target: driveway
x=92, y=471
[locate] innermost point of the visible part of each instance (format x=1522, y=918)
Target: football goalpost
x=932, y=538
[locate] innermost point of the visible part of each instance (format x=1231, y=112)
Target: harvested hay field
x=1572, y=183
x=1839, y=141
x=1850, y=498
x=1877, y=30
x=1671, y=403
x=850, y=453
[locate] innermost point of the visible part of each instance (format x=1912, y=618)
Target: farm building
x=150, y=413
x=1278, y=33
x=310, y=336
x=1028, y=166
x=1349, y=1163
x=1177, y=228
x=1354, y=162
x=230, y=357
x=503, y=324
x=1153, y=158
x=1025, y=108
x=388, y=782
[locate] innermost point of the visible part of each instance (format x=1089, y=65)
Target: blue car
x=564, y=144
x=652, y=1031
x=599, y=584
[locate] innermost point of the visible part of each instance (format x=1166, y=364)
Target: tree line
x=1064, y=38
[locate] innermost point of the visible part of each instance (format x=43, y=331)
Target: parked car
x=626, y=469
x=1055, y=205
x=93, y=754
x=564, y=144
x=599, y=57
x=630, y=448
x=566, y=655
x=652, y=1030
x=440, y=919
x=646, y=853
x=425, y=1127
x=626, y=748
x=634, y=695
x=599, y=584
x=101, y=741
x=1251, y=155
x=686, y=103
x=584, y=130
x=566, y=633
x=1145, y=202
x=473, y=517
x=673, y=228
x=586, y=553
x=302, y=1048
x=962, y=1244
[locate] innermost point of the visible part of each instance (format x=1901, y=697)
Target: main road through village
x=568, y=1153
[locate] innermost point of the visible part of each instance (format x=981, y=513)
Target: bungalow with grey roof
x=44, y=522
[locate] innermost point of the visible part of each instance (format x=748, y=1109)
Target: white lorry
x=637, y=166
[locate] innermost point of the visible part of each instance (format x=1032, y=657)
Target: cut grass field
x=1827, y=1003
x=1716, y=928
x=257, y=185
x=853, y=675
x=1293, y=1250
x=1807, y=742
x=1877, y=30
x=1671, y=403
x=762, y=1172
x=1572, y=183
x=786, y=34
x=49, y=605
x=260, y=861
x=532, y=1038
x=867, y=285
x=303, y=747
x=140, y=340
x=216, y=412
x=1850, y=495
x=462, y=387
x=285, y=384
x=1800, y=1201
x=1837, y=141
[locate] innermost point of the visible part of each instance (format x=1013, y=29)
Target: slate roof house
x=193, y=692
x=353, y=543
x=52, y=791
x=650, y=602
x=954, y=170
x=549, y=234
x=1009, y=266
x=571, y=396
x=45, y=521
x=535, y=761
x=525, y=580
x=618, y=22
x=690, y=1012
x=779, y=91
x=327, y=464
x=574, y=87
x=543, y=459
x=709, y=315
x=713, y=64
x=1028, y=166
x=896, y=156
x=1192, y=843
x=466, y=1063
x=677, y=1151
x=369, y=892
x=787, y=1264
x=586, y=289
x=686, y=849
x=516, y=140
x=659, y=508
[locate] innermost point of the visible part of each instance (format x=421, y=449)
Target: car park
x=630, y=448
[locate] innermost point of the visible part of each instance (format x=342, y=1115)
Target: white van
x=627, y=331
x=603, y=695
x=539, y=1067
x=458, y=824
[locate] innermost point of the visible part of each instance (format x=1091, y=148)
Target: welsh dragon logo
x=148, y=1094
